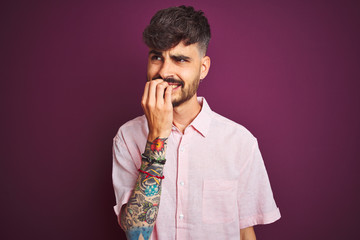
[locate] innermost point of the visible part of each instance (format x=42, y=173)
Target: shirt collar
x=202, y=121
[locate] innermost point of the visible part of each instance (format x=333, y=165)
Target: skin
x=163, y=106
x=247, y=234
x=186, y=63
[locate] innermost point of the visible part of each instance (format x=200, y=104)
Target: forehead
x=191, y=50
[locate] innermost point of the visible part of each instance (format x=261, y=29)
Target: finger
x=145, y=94
x=152, y=90
x=160, y=89
x=167, y=99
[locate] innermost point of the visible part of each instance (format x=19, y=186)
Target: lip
x=175, y=84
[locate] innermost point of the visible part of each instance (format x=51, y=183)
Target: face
x=182, y=67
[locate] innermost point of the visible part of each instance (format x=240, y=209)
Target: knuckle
x=149, y=105
x=152, y=83
x=160, y=86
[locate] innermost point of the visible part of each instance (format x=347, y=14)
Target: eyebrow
x=155, y=52
x=175, y=56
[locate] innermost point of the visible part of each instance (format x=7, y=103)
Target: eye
x=156, y=58
x=182, y=60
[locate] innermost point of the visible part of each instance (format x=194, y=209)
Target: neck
x=186, y=113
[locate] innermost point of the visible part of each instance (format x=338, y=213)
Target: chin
x=176, y=103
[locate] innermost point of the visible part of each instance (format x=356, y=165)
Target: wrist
x=150, y=161
x=156, y=149
x=153, y=135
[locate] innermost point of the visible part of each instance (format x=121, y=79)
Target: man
x=206, y=170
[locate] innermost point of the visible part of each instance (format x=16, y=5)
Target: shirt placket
x=181, y=186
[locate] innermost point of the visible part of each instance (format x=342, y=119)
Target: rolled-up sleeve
x=256, y=203
x=124, y=173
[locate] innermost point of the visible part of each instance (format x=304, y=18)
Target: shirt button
x=181, y=216
x=182, y=149
x=182, y=183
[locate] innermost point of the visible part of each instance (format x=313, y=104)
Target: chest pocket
x=219, y=201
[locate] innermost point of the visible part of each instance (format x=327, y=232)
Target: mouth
x=174, y=85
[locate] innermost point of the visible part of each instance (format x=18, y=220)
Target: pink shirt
x=215, y=179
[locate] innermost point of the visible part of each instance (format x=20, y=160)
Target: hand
x=158, y=108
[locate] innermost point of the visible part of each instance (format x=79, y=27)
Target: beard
x=186, y=93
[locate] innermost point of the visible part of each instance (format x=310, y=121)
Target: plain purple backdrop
x=72, y=72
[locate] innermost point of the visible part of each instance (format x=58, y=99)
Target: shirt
x=215, y=178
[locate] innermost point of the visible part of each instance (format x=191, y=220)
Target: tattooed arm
x=139, y=214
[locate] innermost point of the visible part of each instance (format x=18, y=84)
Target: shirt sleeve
x=124, y=173
x=255, y=198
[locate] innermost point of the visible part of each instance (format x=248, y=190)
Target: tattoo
x=156, y=149
x=134, y=233
x=136, y=200
x=137, y=186
x=139, y=215
x=126, y=219
x=156, y=199
x=150, y=185
x=151, y=214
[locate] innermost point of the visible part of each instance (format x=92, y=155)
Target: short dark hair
x=168, y=27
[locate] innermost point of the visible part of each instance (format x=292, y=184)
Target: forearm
x=247, y=234
x=139, y=215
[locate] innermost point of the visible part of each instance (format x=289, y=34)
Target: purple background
x=72, y=72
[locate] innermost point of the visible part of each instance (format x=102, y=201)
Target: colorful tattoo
x=137, y=186
x=134, y=233
x=149, y=214
x=147, y=181
x=139, y=215
x=151, y=190
x=158, y=145
x=156, y=149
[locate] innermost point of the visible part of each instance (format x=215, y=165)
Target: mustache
x=170, y=80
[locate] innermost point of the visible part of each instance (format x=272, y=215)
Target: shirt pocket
x=219, y=201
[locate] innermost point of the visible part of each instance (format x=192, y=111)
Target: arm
x=247, y=234
x=138, y=216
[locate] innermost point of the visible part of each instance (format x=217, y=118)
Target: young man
x=206, y=170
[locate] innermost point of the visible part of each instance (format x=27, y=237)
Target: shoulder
x=231, y=129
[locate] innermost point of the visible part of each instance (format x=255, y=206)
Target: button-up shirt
x=215, y=178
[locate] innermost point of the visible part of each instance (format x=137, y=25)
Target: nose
x=166, y=69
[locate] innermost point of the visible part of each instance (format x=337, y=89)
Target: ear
x=205, y=66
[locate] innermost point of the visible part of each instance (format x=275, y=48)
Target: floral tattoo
x=156, y=149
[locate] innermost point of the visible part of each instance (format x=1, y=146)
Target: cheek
x=151, y=70
x=190, y=74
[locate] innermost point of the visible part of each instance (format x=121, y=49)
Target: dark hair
x=168, y=27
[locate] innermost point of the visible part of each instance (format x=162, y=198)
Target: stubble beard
x=186, y=95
